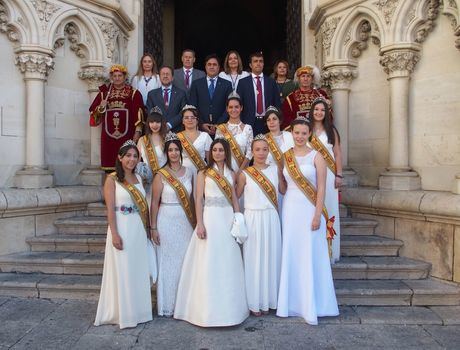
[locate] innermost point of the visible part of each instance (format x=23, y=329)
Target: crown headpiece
x=272, y=109
x=322, y=99
x=233, y=94
x=188, y=107
x=304, y=70
x=305, y=119
x=171, y=136
x=260, y=137
x=118, y=68
x=128, y=143
x=157, y=110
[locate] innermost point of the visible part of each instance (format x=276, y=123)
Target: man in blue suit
x=257, y=92
x=210, y=95
x=168, y=98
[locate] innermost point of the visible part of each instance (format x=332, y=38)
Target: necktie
x=187, y=78
x=211, y=88
x=166, y=97
x=259, y=107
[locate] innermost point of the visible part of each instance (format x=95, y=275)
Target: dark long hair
x=166, y=147
x=327, y=121
x=228, y=155
x=156, y=117
x=118, y=167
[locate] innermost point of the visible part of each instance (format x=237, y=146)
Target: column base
x=92, y=176
x=456, y=186
x=400, y=180
x=350, y=178
x=33, y=178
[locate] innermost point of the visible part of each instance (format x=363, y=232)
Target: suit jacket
x=172, y=114
x=179, y=78
x=199, y=97
x=246, y=91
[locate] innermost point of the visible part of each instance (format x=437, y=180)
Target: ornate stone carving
x=110, y=32
x=388, y=8
x=45, y=10
x=73, y=35
x=363, y=35
x=432, y=11
x=339, y=77
x=347, y=37
x=327, y=31
x=5, y=26
x=58, y=43
x=94, y=76
x=400, y=62
x=35, y=63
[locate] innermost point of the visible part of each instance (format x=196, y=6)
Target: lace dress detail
x=243, y=137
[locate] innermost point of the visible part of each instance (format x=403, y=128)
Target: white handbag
x=239, y=230
x=152, y=260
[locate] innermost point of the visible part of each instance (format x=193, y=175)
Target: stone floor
x=67, y=324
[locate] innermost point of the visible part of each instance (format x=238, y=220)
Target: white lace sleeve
x=207, y=142
x=249, y=137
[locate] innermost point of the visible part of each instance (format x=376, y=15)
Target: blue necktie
x=211, y=88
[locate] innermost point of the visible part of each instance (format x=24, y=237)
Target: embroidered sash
x=321, y=148
x=265, y=185
x=191, y=151
x=182, y=194
x=138, y=198
x=222, y=183
x=274, y=148
x=310, y=192
x=151, y=155
x=234, y=146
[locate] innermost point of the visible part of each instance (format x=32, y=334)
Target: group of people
x=238, y=192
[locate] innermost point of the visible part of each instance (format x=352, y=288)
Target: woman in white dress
x=151, y=144
x=195, y=143
x=326, y=140
x=211, y=290
x=125, y=297
x=233, y=69
x=171, y=227
x=146, y=78
x=262, y=249
x=238, y=134
x=306, y=285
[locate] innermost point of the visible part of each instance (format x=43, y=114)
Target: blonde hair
x=240, y=63
x=140, y=70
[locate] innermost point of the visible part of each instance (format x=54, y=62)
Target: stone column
x=398, y=64
x=35, y=66
x=339, y=78
x=93, y=175
x=456, y=186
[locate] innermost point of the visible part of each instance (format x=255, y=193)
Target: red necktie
x=166, y=97
x=187, y=78
x=259, y=107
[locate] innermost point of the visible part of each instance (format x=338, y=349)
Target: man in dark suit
x=185, y=76
x=168, y=98
x=257, y=92
x=210, y=95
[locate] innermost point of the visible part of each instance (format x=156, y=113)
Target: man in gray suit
x=168, y=98
x=185, y=76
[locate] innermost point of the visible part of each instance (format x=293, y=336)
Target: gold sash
x=234, y=146
x=274, y=148
x=151, y=154
x=222, y=183
x=182, y=194
x=265, y=184
x=191, y=151
x=310, y=192
x=138, y=198
x=321, y=148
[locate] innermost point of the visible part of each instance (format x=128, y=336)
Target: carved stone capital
x=399, y=62
x=339, y=77
x=94, y=76
x=34, y=64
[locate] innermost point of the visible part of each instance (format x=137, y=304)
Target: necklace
x=147, y=81
x=174, y=170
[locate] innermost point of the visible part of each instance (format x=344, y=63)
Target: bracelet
x=339, y=176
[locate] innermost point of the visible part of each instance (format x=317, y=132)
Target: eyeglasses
x=187, y=117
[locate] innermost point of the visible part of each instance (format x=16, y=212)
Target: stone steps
x=357, y=227
x=82, y=225
x=427, y=292
x=369, y=246
x=97, y=209
x=68, y=243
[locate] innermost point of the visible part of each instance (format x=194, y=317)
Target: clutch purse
x=239, y=230
x=152, y=260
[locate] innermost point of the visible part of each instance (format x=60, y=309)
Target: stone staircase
x=371, y=272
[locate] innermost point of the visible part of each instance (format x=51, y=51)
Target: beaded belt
x=127, y=209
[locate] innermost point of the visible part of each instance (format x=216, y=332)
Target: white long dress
x=145, y=85
x=202, y=144
x=234, y=78
x=175, y=232
x=262, y=249
x=331, y=200
x=243, y=137
x=211, y=290
x=125, y=297
x=306, y=285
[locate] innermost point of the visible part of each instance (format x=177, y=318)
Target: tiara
x=157, y=110
x=188, y=107
x=234, y=94
x=302, y=118
x=322, y=99
x=128, y=143
x=171, y=136
x=260, y=137
x=271, y=109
